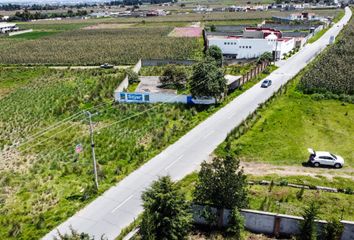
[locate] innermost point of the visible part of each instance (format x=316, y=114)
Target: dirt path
x=261, y=169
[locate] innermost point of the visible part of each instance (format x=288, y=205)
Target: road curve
x=121, y=204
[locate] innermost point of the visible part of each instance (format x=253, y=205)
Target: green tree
x=222, y=184
x=267, y=56
x=308, y=227
x=166, y=212
x=207, y=80
x=215, y=53
x=333, y=230
x=174, y=77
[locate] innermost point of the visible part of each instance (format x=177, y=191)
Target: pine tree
x=166, y=212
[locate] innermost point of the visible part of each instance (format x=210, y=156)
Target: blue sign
x=134, y=97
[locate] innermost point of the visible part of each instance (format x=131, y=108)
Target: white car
x=325, y=158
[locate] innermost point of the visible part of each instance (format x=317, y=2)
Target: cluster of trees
x=167, y=213
x=42, y=7
x=27, y=15
x=140, y=2
x=333, y=72
x=207, y=78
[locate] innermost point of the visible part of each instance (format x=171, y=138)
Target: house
x=253, y=43
x=8, y=27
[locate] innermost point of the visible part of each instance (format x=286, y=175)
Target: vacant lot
x=93, y=47
x=295, y=122
x=44, y=181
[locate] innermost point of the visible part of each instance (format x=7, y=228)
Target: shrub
x=174, y=77
x=236, y=224
x=333, y=230
x=132, y=76
x=308, y=228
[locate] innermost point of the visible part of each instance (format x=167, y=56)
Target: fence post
x=276, y=230
x=220, y=213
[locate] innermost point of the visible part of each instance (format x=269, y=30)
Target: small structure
x=304, y=16
x=8, y=27
x=253, y=43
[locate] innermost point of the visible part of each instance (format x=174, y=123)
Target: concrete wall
x=266, y=222
x=137, y=97
x=20, y=32
x=161, y=62
x=125, y=83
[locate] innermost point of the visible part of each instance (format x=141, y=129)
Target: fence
x=263, y=222
x=249, y=75
x=161, y=62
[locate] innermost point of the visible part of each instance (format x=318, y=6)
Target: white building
x=7, y=27
x=253, y=43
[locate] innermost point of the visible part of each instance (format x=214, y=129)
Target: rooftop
x=5, y=24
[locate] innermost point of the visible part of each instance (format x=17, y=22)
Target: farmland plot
x=93, y=47
x=333, y=72
x=43, y=180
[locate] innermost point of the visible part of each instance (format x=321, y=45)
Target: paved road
x=118, y=206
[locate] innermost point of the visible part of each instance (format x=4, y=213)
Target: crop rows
x=44, y=182
x=93, y=47
x=334, y=71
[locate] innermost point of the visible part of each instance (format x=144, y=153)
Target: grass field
x=34, y=35
x=44, y=181
x=295, y=122
x=283, y=199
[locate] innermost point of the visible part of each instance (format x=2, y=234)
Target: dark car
x=106, y=66
x=266, y=83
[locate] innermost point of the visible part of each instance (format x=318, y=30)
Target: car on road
x=318, y=158
x=266, y=83
x=106, y=66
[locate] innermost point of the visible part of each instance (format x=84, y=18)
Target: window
x=249, y=47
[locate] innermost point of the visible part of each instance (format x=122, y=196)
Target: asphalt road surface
x=121, y=204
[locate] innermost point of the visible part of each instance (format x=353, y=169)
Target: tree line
x=27, y=15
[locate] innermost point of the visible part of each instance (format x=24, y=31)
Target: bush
x=74, y=235
x=308, y=228
x=236, y=224
x=174, y=77
x=333, y=230
x=283, y=182
x=132, y=76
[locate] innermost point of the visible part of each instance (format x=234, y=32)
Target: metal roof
x=5, y=24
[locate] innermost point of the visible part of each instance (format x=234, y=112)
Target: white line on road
x=121, y=204
x=166, y=168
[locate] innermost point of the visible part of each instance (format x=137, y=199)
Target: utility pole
x=89, y=115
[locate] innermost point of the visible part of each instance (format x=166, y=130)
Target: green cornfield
x=94, y=47
x=334, y=71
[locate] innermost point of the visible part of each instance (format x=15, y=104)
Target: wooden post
x=220, y=213
x=276, y=230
